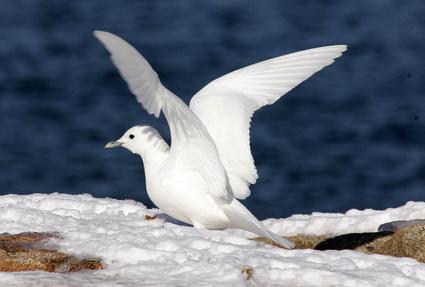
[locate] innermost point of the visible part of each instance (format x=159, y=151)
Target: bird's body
x=209, y=166
x=174, y=188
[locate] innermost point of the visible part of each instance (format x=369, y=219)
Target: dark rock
x=351, y=241
x=396, y=225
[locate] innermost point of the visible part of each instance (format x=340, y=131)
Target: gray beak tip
x=113, y=144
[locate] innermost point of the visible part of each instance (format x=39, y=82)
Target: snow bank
x=140, y=252
x=354, y=220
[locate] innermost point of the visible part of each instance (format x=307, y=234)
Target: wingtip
x=339, y=47
x=338, y=50
x=103, y=35
x=285, y=243
x=98, y=33
x=343, y=47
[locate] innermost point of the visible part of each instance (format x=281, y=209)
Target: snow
x=140, y=252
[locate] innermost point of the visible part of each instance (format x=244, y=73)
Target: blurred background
x=352, y=136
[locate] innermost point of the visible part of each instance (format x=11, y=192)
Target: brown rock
x=407, y=242
x=404, y=242
x=249, y=272
x=150, y=217
x=300, y=241
x=307, y=241
x=24, y=252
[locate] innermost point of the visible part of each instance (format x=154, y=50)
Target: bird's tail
x=240, y=217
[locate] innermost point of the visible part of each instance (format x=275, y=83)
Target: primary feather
x=226, y=105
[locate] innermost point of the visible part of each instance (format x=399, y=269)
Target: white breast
x=182, y=198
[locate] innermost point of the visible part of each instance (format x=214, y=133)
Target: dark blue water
x=353, y=136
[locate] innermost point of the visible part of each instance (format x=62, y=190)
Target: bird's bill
x=113, y=144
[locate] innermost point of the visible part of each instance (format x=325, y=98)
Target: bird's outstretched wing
x=225, y=106
x=191, y=146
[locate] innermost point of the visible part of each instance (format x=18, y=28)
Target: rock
x=355, y=241
x=248, y=271
x=395, y=225
x=408, y=242
x=404, y=242
x=25, y=252
x=300, y=241
x=150, y=217
x=306, y=241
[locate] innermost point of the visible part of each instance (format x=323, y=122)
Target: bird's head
x=138, y=139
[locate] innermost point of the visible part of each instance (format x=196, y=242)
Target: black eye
x=131, y=136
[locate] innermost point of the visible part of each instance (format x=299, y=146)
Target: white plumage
x=209, y=164
x=226, y=105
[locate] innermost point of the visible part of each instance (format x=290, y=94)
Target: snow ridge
x=140, y=252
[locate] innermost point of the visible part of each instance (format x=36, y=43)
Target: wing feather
x=226, y=105
x=192, y=146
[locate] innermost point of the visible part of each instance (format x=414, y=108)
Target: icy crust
x=140, y=252
x=354, y=220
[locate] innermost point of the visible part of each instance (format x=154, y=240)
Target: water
x=353, y=136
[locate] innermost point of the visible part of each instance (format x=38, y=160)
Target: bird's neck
x=154, y=156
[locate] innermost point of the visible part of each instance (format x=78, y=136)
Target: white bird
x=209, y=166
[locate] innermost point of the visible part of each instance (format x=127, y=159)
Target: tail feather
x=240, y=217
